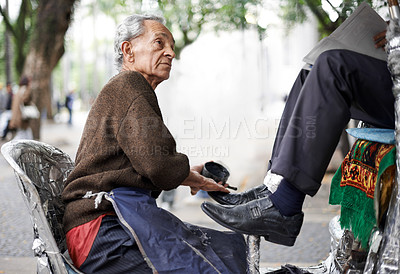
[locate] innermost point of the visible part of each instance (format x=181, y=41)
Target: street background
x=223, y=103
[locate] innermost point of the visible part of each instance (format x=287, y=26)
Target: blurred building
x=225, y=95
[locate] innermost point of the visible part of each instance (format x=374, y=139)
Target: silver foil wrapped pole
x=394, y=10
x=389, y=254
x=253, y=254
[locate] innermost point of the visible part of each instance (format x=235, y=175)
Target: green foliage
x=296, y=11
x=21, y=30
x=188, y=19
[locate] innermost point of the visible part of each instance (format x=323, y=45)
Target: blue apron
x=169, y=245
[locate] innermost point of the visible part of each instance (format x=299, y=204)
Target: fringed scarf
x=353, y=186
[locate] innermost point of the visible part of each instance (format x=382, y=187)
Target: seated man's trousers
x=341, y=85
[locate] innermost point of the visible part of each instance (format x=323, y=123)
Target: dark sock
x=288, y=199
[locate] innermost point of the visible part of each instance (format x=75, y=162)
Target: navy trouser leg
x=288, y=110
x=341, y=85
x=114, y=251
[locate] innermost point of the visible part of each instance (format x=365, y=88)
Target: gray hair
x=129, y=29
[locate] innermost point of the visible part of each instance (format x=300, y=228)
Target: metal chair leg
x=253, y=254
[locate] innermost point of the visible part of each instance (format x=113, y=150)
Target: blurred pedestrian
x=22, y=98
x=168, y=199
x=6, y=115
x=69, y=102
x=3, y=98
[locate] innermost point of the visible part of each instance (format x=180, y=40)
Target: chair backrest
x=41, y=171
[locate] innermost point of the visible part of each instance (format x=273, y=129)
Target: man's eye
x=159, y=42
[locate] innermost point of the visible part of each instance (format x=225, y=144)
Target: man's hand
x=196, y=181
x=380, y=40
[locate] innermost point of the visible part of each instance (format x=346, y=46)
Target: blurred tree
x=41, y=26
x=328, y=15
x=46, y=48
x=20, y=31
x=7, y=51
x=187, y=19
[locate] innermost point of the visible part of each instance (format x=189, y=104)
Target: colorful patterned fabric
x=353, y=185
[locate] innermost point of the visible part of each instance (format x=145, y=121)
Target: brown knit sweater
x=124, y=144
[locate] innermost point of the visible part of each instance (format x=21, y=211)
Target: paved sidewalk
x=312, y=245
x=17, y=265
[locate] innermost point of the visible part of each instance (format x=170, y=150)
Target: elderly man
x=126, y=157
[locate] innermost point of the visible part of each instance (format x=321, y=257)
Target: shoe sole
x=270, y=236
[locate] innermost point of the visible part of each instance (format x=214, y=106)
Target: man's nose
x=170, y=53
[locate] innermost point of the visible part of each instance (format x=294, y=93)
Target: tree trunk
x=8, y=57
x=7, y=49
x=46, y=49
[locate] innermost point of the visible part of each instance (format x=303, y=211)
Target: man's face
x=153, y=52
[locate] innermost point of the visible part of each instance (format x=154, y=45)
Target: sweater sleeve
x=150, y=147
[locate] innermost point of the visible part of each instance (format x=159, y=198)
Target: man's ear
x=127, y=51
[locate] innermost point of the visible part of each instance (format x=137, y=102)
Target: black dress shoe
x=258, y=217
x=254, y=193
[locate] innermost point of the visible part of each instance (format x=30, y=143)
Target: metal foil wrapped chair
x=41, y=171
x=387, y=258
